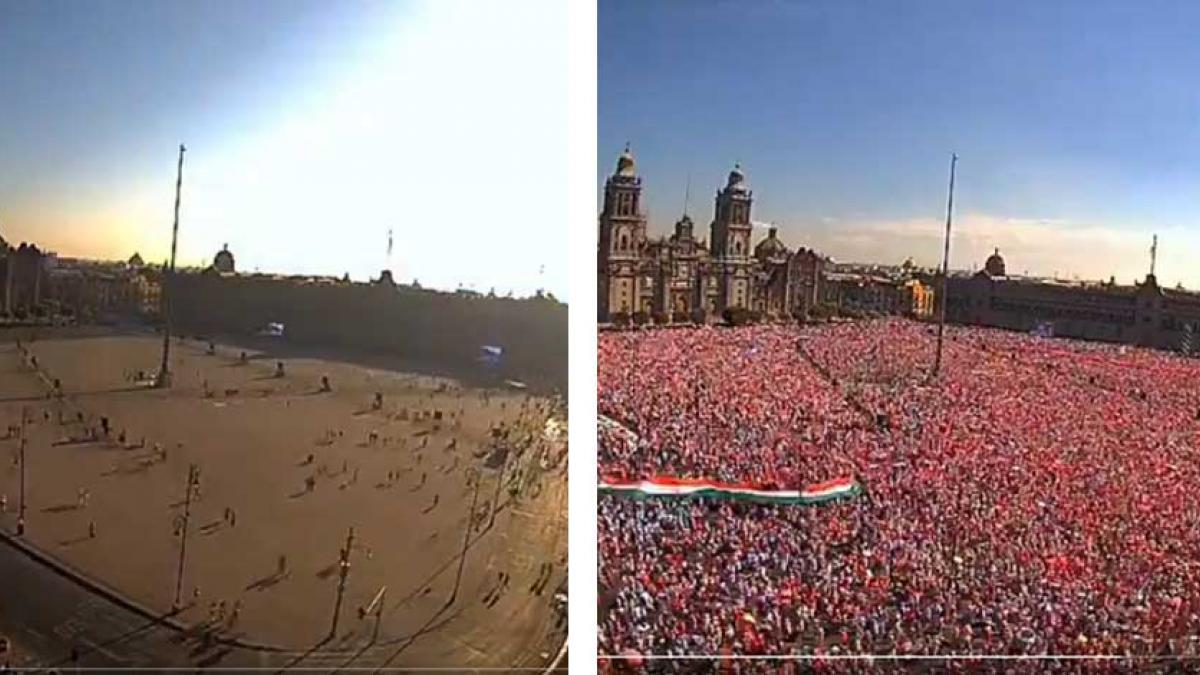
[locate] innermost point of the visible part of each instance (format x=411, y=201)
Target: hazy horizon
x=312, y=129
x=1075, y=124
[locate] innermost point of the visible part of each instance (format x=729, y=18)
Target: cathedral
x=682, y=278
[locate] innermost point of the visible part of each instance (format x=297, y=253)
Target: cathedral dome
x=223, y=261
x=994, y=265
x=771, y=247
x=625, y=164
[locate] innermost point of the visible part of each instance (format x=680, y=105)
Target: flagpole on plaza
x=164, y=378
x=937, y=362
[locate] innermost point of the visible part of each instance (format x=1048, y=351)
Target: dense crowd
x=1037, y=497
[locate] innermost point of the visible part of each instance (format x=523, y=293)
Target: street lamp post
x=193, y=480
x=21, y=507
x=344, y=568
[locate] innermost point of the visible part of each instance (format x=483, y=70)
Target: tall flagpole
x=937, y=363
x=164, y=375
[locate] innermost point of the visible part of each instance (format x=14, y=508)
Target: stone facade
x=422, y=327
x=1144, y=314
x=681, y=277
x=903, y=295
x=917, y=297
x=25, y=273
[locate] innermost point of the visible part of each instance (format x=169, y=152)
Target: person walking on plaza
x=234, y=614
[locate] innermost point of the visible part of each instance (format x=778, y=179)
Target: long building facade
x=683, y=278
x=1143, y=314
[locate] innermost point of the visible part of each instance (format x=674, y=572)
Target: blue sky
x=312, y=128
x=1077, y=124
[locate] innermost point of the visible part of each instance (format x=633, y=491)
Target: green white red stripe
x=819, y=493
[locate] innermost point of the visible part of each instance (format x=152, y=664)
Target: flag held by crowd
x=820, y=493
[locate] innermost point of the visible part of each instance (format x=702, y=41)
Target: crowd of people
x=1035, y=497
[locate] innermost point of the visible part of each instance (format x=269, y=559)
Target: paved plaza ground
x=401, y=478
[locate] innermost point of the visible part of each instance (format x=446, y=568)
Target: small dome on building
x=136, y=262
x=223, y=261
x=994, y=265
x=625, y=164
x=771, y=248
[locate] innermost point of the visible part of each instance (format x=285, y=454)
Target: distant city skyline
x=313, y=129
x=1075, y=123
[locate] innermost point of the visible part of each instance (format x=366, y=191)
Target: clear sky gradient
x=1077, y=124
x=312, y=127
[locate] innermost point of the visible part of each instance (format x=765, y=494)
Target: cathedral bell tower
x=731, y=242
x=622, y=233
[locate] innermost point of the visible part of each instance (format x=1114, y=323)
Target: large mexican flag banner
x=820, y=493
